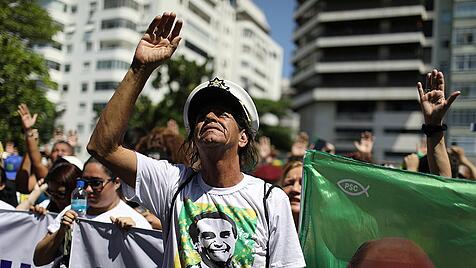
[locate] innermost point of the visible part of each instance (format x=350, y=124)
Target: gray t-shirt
x=216, y=226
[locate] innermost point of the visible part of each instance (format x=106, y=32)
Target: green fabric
x=438, y=214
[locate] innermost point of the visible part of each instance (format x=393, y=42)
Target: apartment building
x=463, y=76
x=356, y=68
x=93, y=50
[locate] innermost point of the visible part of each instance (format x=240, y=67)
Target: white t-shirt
x=216, y=225
x=121, y=210
x=5, y=205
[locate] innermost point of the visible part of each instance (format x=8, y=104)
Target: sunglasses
x=96, y=184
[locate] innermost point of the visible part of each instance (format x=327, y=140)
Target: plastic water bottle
x=79, y=199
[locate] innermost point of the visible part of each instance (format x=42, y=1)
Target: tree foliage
x=23, y=73
x=179, y=77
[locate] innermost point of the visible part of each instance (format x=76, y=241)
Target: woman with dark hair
x=290, y=182
x=60, y=181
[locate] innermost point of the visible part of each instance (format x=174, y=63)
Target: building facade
x=356, y=68
x=463, y=76
x=94, y=49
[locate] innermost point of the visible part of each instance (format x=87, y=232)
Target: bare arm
x=156, y=46
x=47, y=249
x=24, y=180
x=463, y=160
x=39, y=188
x=434, y=106
x=31, y=140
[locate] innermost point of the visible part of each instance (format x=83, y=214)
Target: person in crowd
x=364, y=147
x=163, y=144
x=392, y=252
x=466, y=168
x=269, y=167
x=25, y=181
x=104, y=205
x=323, y=145
x=5, y=199
x=10, y=167
x=58, y=185
x=221, y=121
x=291, y=182
x=434, y=106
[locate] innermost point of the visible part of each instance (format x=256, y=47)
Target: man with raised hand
x=221, y=121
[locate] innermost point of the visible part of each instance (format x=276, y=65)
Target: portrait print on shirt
x=214, y=235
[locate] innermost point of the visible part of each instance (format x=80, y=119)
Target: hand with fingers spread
x=300, y=145
x=366, y=143
x=432, y=100
x=124, y=223
x=264, y=148
x=27, y=120
x=72, y=137
x=159, y=41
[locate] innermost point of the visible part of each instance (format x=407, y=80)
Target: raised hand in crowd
x=264, y=149
x=156, y=46
x=173, y=127
x=27, y=120
x=124, y=223
x=29, y=204
x=72, y=137
x=32, y=159
x=300, y=145
x=434, y=106
x=411, y=162
x=364, y=147
x=466, y=168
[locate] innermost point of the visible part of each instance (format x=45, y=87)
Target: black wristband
x=432, y=129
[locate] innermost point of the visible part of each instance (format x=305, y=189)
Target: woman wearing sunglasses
x=104, y=205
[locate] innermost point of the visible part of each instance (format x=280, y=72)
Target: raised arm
x=434, y=106
x=156, y=46
x=31, y=140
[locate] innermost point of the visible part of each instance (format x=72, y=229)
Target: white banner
x=20, y=231
x=97, y=244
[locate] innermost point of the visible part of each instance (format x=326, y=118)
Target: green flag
x=346, y=203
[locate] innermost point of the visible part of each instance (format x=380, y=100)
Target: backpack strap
x=267, y=192
x=179, y=189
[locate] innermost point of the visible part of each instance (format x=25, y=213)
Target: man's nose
x=211, y=116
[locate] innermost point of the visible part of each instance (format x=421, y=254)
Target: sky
x=279, y=14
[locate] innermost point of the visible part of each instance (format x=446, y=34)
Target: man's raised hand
x=432, y=99
x=159, y=41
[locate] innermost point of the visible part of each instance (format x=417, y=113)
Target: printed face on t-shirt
x=216, y=239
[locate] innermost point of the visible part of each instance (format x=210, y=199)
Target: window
x=462, y=117
x=69, y=49
x=465, y=36
x=67, y=68
x=89, y=46
x=113, y=44
x=118, y=23
x=86, y=66
x=196, y=49
x=465, y=9
x=197, y=11
x=84, y=87
x=74, y=9
x=82, y=107
x=120, y=3
x=464, y=62
x=112, y=64
x=97, y=109
x=106, y=85
x=53, y=65
x=65, y=87
x=80, y=128
x=468, y=89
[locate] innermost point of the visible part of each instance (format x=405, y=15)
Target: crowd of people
x=162, y=180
